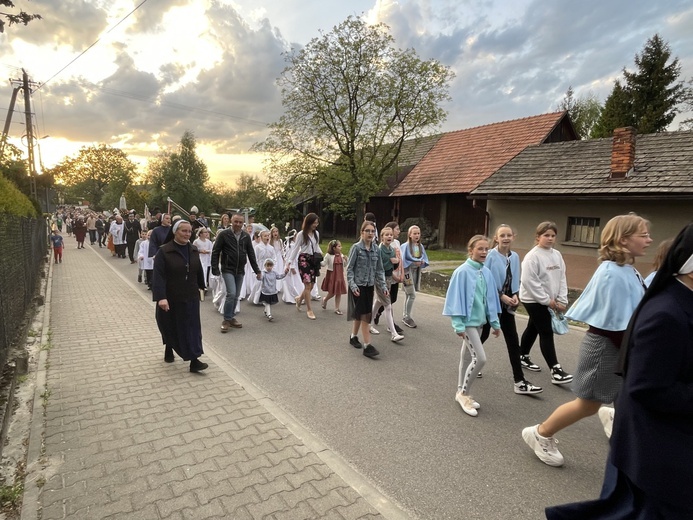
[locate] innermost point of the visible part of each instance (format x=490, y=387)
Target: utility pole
x=25, y=85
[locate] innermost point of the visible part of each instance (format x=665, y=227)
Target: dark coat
x=652, y=439
x=132, y=230
x=173, y=279
x=233, y=253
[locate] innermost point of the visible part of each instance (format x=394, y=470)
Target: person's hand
x=506, y=299
x=463, y=334
x=514, y=301
x=552, y=304
x=293, y=271
x=163, y=305
x=386, y=292
x=259, y=276
x=560, y=307
x=394, y=260
x=356, y=292
x=496, y=333
x=215, y=271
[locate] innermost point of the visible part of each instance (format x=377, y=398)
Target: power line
x=97, y=41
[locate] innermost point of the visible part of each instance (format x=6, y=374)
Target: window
x=583, y=230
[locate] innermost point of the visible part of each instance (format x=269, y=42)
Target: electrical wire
x=97, y=41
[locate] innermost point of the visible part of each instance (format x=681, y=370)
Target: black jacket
x=132, y=230
x=174, y=279
x=234, y=253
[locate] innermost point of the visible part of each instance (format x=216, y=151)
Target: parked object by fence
x=23, y=247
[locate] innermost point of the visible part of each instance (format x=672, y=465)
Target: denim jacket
x=365, y=267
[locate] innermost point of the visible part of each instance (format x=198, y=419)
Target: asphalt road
x=394, y=419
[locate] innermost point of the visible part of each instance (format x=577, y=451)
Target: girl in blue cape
x=606, y=306
x=471, y=301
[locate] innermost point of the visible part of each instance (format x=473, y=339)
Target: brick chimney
x=622, y=152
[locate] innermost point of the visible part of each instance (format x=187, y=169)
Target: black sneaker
x=398, y=329
x=527, y=363
x=559, y=376
x=370, y=351
x=354, y=342
x=376, y=320
x=409, y=323
x=524, y=387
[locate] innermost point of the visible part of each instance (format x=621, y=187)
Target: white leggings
x=472, y=359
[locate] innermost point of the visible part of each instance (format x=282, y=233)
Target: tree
x=20, y=17
x=584, y=111
x=180, y=175
x=650, y=97
x=617, y=113
x=687, y=124
x=351, y=99
x=99, y=175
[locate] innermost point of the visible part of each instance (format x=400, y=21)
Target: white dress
x=262, y=252
x=292, y=283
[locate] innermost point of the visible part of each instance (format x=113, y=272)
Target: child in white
x=204, y=246
x=471, y=301
x=263, y=251
x=268, y=284
x=292, y=285
x=146, y=262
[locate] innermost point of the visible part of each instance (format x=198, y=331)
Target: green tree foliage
x=584, y=111
x=180, y=175
x=351, y=99
x=617, y=113
x=13, y=201
x=99, y=175
x=13, y=18
x=687, y=124
x=650, y=97
x=13, y=168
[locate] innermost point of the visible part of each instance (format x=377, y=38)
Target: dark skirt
x=360, y=308
x=181, y=329
x=306, y=268
x=620, y=500
x=594, y=377
x=269, y=298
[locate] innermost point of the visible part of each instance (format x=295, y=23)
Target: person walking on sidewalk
x=390, y=260
x=133, y=229
x=472, y=300
x=178, y=278
x=91, y=228
x=57, y=243
x=543, y=286
x=334, y=283
x=233, y=247
x=305, y=249
x=414, y=259
x=80, y=229
x=364, y=271
x=606, y=306
x=504, y=265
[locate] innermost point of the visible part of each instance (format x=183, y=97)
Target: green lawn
x=439, y=255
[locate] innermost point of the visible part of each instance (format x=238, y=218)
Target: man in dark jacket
x=133, y=228
x=235, y=247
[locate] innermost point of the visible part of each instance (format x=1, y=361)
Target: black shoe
x=376, y=320
x=197, y=366
x=527, y=364
x=139, y=278
x=168, y=355
x=560, y=376
x=370, y=351
x=398, y=329
x=354, y=342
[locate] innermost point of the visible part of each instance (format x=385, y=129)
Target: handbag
x=559, y=323
x=398, y=272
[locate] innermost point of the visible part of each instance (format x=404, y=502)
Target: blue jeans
x=233, y=286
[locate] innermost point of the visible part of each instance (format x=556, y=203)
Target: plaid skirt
x=594, y=378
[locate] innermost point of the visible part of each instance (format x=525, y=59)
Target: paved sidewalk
x=127, y=436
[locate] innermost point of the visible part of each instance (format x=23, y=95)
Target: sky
x=210, y=66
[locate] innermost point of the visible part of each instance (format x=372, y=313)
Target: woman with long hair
x=307, y=251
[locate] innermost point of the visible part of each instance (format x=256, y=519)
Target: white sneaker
x=467, y=404
x=397, y=337
x=373, y=330
x=544, y=447
x=606, y=416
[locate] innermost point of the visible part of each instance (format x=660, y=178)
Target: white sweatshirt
x=543, y=277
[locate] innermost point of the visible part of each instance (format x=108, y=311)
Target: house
x=580, y=185
x=436, y=174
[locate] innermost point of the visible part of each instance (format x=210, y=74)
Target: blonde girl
x=389, y=258
x=414, y=258
x=276, y=242
x=333, y=283
x=606, y=306
x=504, y=265
x=471, y=301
